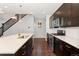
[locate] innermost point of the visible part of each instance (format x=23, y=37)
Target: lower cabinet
x=58, y=47
x=50, y=41
x=26, y=49
x=64, y=49
x=69, y=50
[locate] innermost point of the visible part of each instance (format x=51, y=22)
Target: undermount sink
x=23, y=36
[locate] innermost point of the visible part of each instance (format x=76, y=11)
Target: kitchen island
x=16, y=44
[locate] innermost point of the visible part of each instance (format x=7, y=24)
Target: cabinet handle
x=23, y=47
x=67, y=46
x=23, y=53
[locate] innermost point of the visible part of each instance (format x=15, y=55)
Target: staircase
x=10, y=22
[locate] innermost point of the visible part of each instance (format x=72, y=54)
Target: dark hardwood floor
x=40, y=48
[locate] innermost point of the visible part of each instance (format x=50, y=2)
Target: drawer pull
x=67, y=46
x=23, y=47
x=24, y=52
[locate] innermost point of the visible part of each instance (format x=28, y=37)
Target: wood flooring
x=40, y=48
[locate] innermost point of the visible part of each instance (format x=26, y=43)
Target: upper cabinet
x=67, y=15
x=75, y=14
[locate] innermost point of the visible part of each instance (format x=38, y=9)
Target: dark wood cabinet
x=75, y=14
x=70, y=50
x=68, y=14
x=58, y=47
x=64, y=49
x=26, y=49
x=50, y=41
x=47, y=38
x=61, y=48
x=75, y=10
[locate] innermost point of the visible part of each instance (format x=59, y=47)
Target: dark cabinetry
x=75, y=14
x=50, y=41
x=61, y=48
x=26, y=49
x=58, y=47
x=69, y=50
x=64, y=49
x=68, y=14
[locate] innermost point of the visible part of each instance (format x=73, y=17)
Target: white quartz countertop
x=11, y=44
x=72, y=41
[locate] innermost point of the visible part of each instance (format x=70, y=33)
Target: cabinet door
x=58, y=47
x=26, y=49
x=70, y=50
x=71, y=14
x=67, y=49
x=66, y=14
x=75, y=14
x=75, y=10
x=50, y=41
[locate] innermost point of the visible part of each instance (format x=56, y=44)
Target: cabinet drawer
x=68, y=47
x=70, y=50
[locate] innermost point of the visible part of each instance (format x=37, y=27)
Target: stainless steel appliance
x=60, y=32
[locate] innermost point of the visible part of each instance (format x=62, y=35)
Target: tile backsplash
x=72, y=32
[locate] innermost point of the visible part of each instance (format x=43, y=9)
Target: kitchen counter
x=72, y=41
x=11, y=44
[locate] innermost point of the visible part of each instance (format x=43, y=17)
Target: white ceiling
x=29, y=8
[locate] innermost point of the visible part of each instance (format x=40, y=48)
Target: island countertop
x=11, y=44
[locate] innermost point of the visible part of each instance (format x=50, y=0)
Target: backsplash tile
x=72, y=32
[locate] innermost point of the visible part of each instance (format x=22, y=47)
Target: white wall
x=40, y=32
x=26, y=25
x=72, y=32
